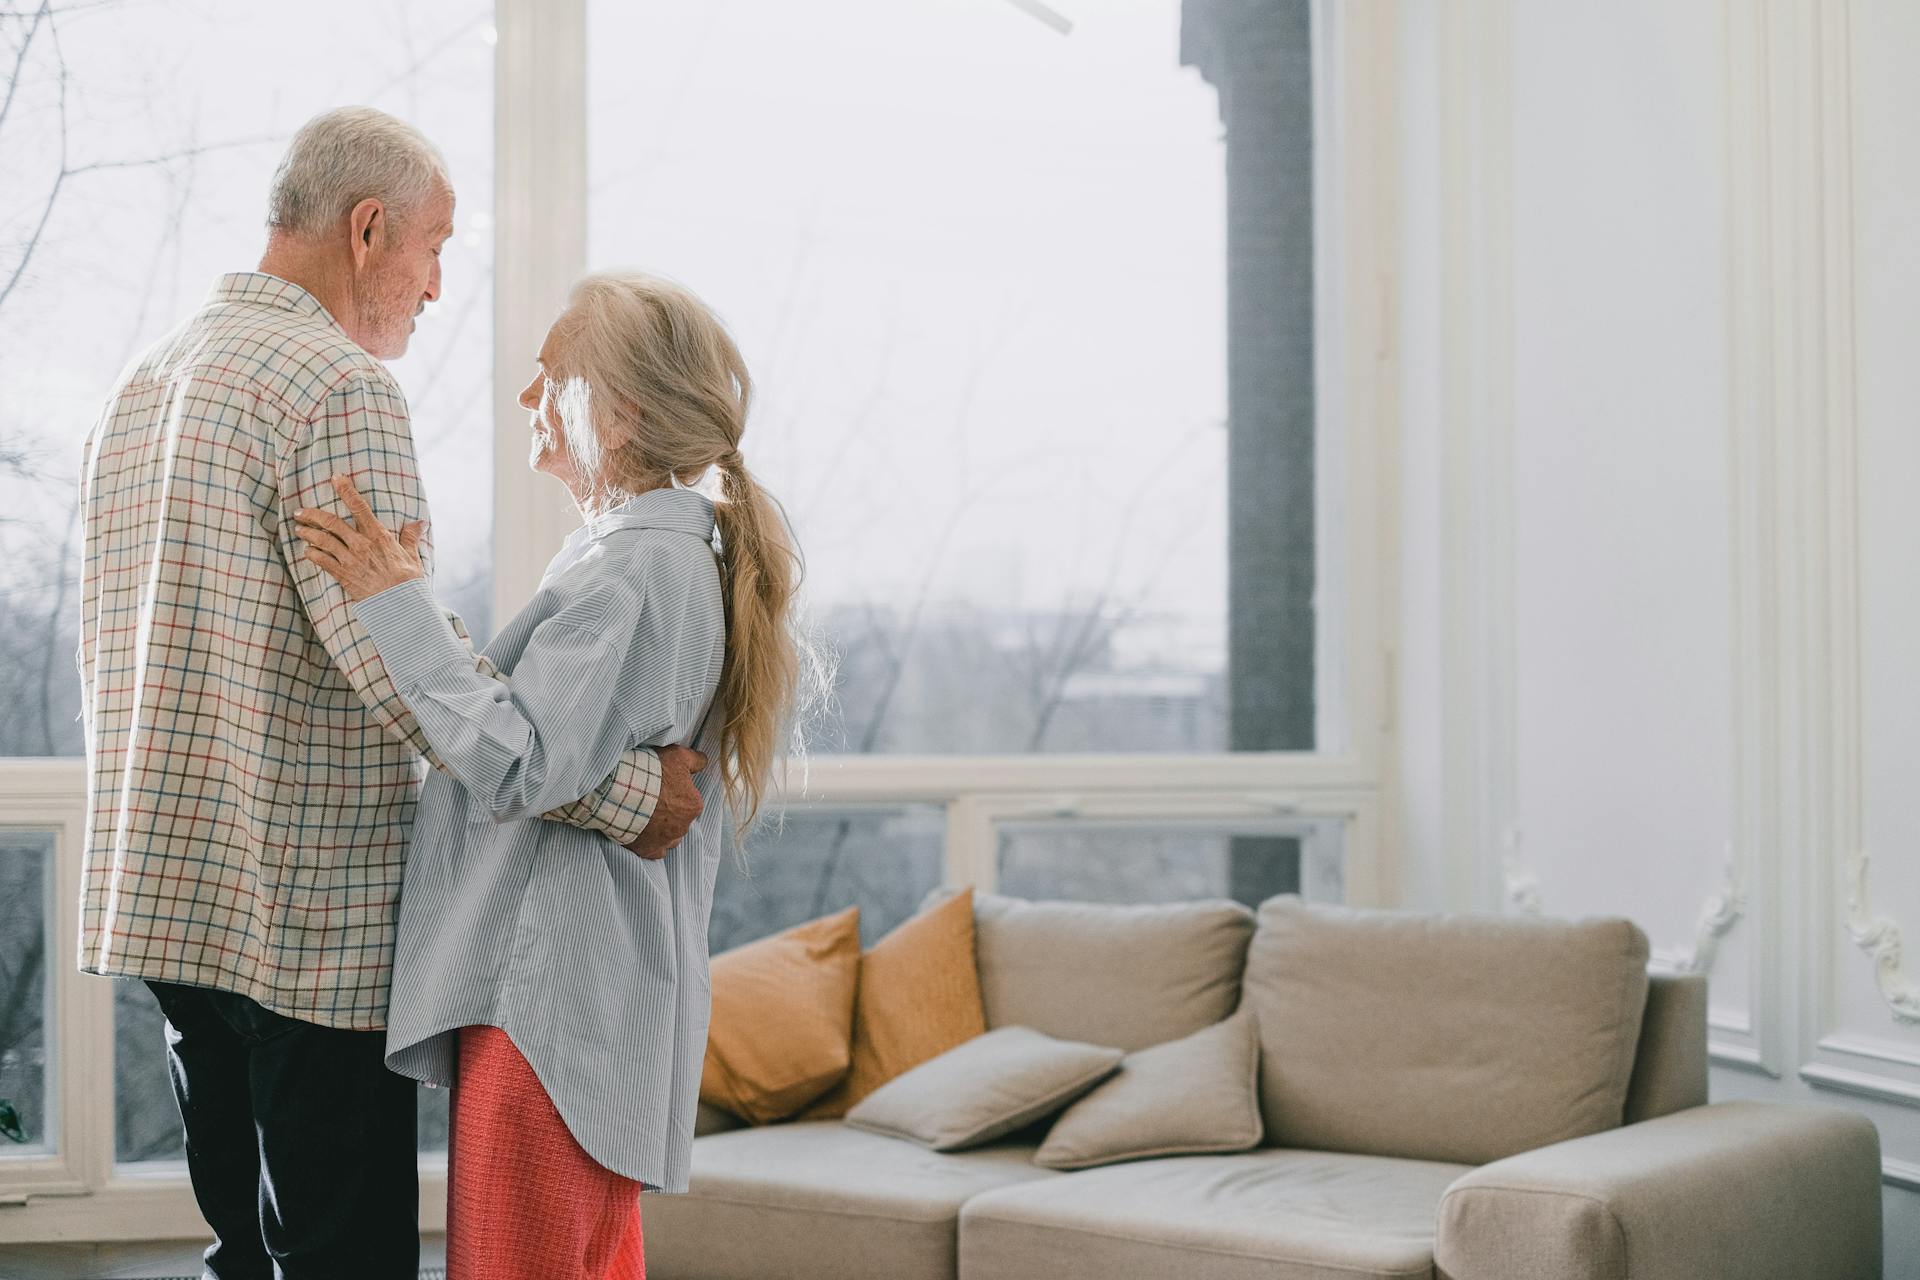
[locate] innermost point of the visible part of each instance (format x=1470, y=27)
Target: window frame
x=78, y=1193
x=50, y=796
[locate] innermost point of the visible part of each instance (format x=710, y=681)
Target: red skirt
x=524, y=1201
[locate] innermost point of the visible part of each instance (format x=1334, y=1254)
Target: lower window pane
x=146, y=1120
x=1132, y=862
x=819, y=861
x=435, y=1118
x=26, y=858
x=815, y=862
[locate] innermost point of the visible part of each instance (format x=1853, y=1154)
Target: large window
x=136, y=145
x=979, y=273
x=1039, y=364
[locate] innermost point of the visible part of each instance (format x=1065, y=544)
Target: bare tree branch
x=20, y=56
x=53, y=194
x=460, y=30
x=170, y=239
x=67, y=8
x=50, y=643
x=168, y=157
x=1082, y=638
x=70, y=170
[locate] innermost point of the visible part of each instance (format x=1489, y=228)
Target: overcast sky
x=977, y=267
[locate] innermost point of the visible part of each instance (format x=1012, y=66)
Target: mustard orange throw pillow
x=919, y=996
x=782, y=1018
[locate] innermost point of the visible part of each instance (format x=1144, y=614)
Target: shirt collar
x=261, y=289
x=676, y=509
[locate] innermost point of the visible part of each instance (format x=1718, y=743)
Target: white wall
x=1659, y=596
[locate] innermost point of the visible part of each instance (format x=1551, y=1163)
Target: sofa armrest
x=1756, y=1191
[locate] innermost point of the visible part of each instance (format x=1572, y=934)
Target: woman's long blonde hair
x=652, y=391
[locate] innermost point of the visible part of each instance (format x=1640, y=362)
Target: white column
x=540, y=247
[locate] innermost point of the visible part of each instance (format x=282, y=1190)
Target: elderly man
x=252, y=772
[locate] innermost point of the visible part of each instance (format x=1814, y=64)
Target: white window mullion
x=540, y=247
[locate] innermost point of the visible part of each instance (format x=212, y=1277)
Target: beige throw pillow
x=985, y=1089
x=1186, y=1097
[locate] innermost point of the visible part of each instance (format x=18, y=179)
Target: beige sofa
x=1434, y=1053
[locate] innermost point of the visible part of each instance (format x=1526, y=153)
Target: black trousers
x=300, y=1141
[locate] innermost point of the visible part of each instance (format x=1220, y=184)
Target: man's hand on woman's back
x=679, y=805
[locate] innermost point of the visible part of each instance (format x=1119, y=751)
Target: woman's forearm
x=524, y=746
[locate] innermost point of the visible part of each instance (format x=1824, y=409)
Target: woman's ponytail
x=759, y=683
x=663, y=395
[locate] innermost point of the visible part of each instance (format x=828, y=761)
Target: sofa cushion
x=919, y=996
x=821, y=1201
x=1192, y=1096
x=1260, y=1215
x=782, y=1018
x=984, y=1089
x=1453, y=1038
x=1125, y=976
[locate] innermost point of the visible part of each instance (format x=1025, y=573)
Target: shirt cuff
x=412, y=636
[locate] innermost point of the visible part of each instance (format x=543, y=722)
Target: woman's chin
x=547, y=464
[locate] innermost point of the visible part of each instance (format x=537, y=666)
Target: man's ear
x=367, y=224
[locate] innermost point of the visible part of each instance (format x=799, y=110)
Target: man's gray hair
x=348, y=155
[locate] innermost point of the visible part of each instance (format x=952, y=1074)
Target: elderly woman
x=555, y=979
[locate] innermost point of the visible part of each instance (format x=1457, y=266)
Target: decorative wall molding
x=1794, y=563
x=1862, y=1084
x=1723, y=1020
x=1904, y=1174
x=1870, y=1049
x=1879, y=937
x=1485, y=849
x=1723, y=909
x=1758, y=404
x=1814, y=94
x=1520, y=888
x=1739, y=1057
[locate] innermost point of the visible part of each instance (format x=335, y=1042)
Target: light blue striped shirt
x=591, y=958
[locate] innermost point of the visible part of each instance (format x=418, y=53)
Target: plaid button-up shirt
x=251, y=771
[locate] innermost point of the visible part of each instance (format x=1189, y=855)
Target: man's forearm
x=623, y=805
